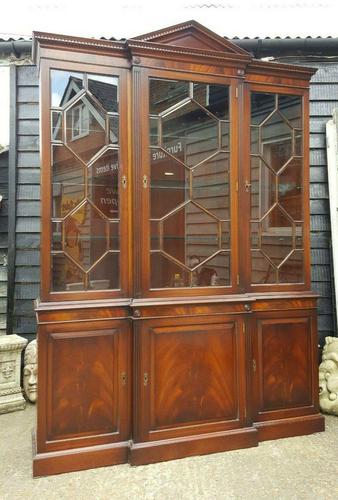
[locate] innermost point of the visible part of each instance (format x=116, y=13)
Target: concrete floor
x=295, y=468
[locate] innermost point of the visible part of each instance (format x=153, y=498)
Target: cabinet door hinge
x=237, y=186
x=124, y=181
x=236, y=92
x=145, y=181
x=243, y=326
x=237, y=279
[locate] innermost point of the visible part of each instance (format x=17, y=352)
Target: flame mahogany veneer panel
x=83, y=394
x=286, y=363
x=194, y=374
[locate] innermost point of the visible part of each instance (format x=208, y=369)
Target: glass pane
x=210, y=185
x=225, y=135
x=103, y=181
x=154, y=131
x=114, y=236
x=105, y=90
x=299, y=235
x=292, y=270
x=169, y=183
x=114, y=129
x=215, y=98
x=57, y=126
x=85, y=236
x=64, y=86
x=215, y=272
x=262, y=271
x=68, y=185
x=85, y=128
x=277, y=237
x=225, y=235
x=57, y=235
x=66, y=275
x=262, y=105
x=290, y=192
x=190, y=232
x=298, y=142
x=154, y=235
x=105, y=275
x=276, y=143
x=255, y=140
x=165, y=94
x=291, y=108
x=166, y=274
x=192, y=131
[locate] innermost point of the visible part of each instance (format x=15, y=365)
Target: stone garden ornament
x=328, y=377
x=30, y=371
x=11, y=398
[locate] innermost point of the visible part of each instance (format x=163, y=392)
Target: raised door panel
x=190, y=378
x=87, y=392
x=284, y=378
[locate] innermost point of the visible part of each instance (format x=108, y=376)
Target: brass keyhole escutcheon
x=145, y=379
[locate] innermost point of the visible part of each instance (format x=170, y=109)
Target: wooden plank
x=25, y=241
x=28, y=94
x=28, y=175
x=28, y=192
x=318, y=174
x=320, y=223
x=319, y=207
x=28, y=225
x=319, y=191
x=320, y=239
x=325, y=322
x=28, y=111
x=324, y=305
x=320, y=273
x=322, y=288
x=327, y=73
x=322, y=108
x=24, y=308
x=28, y=208
x=27, y=258
x=317, y=157
x=317, y=140
x=324, y=91
x=24, y=325
x=28, y=143
x=28, y=159
x=27, y=291
x=27, y=274
x=28, y=127
x=318, y=125
x=28, y=75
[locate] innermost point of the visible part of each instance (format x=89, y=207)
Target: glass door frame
x=141, y=183
x=46, y=66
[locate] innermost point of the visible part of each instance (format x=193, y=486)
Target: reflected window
x=190, y=184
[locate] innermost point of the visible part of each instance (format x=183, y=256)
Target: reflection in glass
x=66, y=276
x=68, y=183
x=85, y=180
x=190, y=134
x=276, y=188
x=85, y=238
x=190, y=186
x=169, y=183
x=105, y=275
x=165, y=94
x=210, y=185
x=103, y=181
x=64, y=86
x=214, y=98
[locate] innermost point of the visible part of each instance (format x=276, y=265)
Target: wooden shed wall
x=324, y=98
x=3, y=240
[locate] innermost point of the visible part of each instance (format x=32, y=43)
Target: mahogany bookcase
x=176, y=316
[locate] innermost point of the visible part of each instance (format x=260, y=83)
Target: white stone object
x=328, y=377
x=11, y=398
x=30, y=371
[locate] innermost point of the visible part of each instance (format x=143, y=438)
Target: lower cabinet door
x=191, y=377
x=84, y=396
x=285, y=379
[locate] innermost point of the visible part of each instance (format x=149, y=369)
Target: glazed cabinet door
x=85, y=391
x=190, y=378
x=285, y=378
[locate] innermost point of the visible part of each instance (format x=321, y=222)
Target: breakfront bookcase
x=175, y=316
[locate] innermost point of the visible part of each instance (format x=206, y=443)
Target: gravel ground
x=295, y=468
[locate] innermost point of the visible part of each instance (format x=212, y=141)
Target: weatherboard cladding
x=27, y=258
x=323, y=99
x=3, y=240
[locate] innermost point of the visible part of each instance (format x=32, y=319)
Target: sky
x=128, y=18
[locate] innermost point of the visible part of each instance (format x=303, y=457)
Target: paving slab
x=292, y=469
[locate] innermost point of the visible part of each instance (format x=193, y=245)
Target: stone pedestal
x=11, y=398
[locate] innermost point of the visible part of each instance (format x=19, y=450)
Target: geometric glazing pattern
x=190, y=186
x=85, y=181
x=276, y=188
